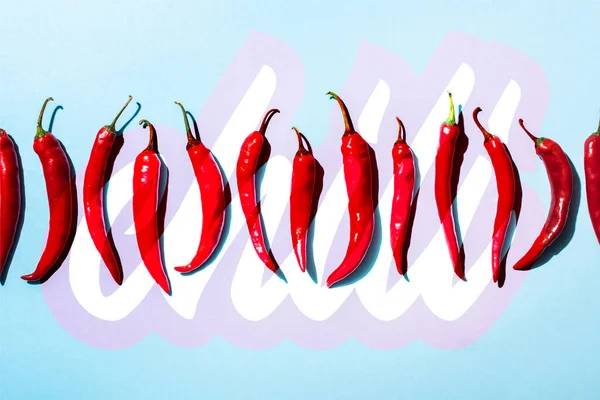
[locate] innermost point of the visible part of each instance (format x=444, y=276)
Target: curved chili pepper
x=245, y=172
x=560, y=176
x=301, y=197
x=10, y=196
x=404, y=185
x=93, y=195
x=444, y=158
x=212, y=196
x=591, y=160
x=146, y=184
x=359, y=186
x=505, y=185
x=57, y=174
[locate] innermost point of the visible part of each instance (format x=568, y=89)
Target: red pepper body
x=560, y=176
x=93, y=196
x=301, y=198
x=356, y=159
x=212, y=195
x=444, y=158
x=505, y=185
x=245, y=174
x=10, y=196
x=591, y=160
x=404, y=185
x=146, y=185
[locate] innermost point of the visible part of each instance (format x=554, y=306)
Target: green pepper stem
x=301, y=148
x=266, y=119
x=537, y=140
x=111, y=127
x=451, y=120
x=188, y=130
x=40, y=131
x=486, y=135
x=348, y=126
x=152, y=140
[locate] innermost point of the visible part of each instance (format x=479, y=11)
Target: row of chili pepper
x=358, y=173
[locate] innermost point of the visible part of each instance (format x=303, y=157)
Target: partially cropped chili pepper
x=505, y=185
x=301, y=197
x=444, y=160
x=93, y=195
x=10, y=196
x=247, y=164
x=212, y=196
x=591, y=160
x=404, y=185
x=57, y=174
x=146, y=186
x=356, y=159
x=560, y=176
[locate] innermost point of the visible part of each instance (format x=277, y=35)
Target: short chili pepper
x=146, y=185
x=304, y=169
x=404, y=185
x=247, y=164
x=444, y=160
x=560, y=176
x=356, y=159
x=10, y=196
x=93, y=195
x=212, y=196
x=57, y=174
x=591, y=162
x=505, y=185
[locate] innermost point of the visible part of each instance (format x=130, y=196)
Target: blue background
x=91, y=55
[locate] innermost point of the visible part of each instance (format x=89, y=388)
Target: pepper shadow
x=21, y=219
x=462, y=143
x=227, y=214
x=371, y=256
x=413, y=212
x=74, y=215
x=512, y=227
x=161, y=213
x=569, y=229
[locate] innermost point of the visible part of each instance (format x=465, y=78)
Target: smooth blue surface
x=91, y=55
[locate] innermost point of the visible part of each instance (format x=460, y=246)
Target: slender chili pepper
x=10, y=196
x=301, y=197
x=404, y=185
x=146, y=184
x=93, y=195
x=245, y=173
x=560, y=176
x=591, y=160
x=57, y=174
x=444, y=159
x=505, y=185
x=356, y=159
x=212, y=196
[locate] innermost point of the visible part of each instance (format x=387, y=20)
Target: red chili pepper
x=301, y=197
x=505, y=185
x=591, y=160
x=10, y=196
x=444, y=158
x=212, y=195
x=57, y=174
x=245, y=172
x=404, y=185
x=146, y=185
x=560, y=176
x=93, y=195
x=359, y=186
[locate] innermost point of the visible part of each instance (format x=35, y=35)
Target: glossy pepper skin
x=212, y=195
x=591, y=163
x=57, y=174
x=146, y=185
x=404, y=185
x=304, y=169
x=356, y=159
x=245, y=174
x=506, y=187
x=10, y=196
x=444, y=158
x=93, y=195
x=560, y=176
